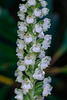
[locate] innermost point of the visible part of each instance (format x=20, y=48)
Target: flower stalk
x=31, y=47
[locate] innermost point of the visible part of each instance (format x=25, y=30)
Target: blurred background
x=58, y=50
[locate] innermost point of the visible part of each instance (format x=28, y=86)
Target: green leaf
x=41, y=22
x=38, y=85
x=40, y=40
x=26, y=97
x=30, y=10
x=38, y=92
x=38, y=5
x=36, y=63
x=28, y=73
x=37, y=1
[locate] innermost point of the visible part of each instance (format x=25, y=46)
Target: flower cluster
x=31, y=47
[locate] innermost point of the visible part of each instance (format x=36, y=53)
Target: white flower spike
x=31, y=51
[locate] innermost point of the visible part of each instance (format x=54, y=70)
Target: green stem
x=33, y=82
x=32, y=90
x=32, y=94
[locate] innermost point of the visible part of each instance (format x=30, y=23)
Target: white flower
x=42, y=54
x=46, y=24
x=47, y=80
x=47, y=37
x=19, y=94
x=36, y=47
x=39, y=74
x=20, y=53
x=26, y=85
x=21, y=66
x=45, y=27
x=19, y=79
x=46, y=21
x=22, y=26
x=21, y=15
x=44, y=62
x=38, y=28
x=20, y=44
x=23, y=8
x=30, y=19
x=29, y=60
x=47, y=90
x=31, y=2
x=47, y=41
x=20, y=34
x=19, y=75
x=45, y=11
x=43, y=3
x=41, y=35
x=37, y=12
x=28, y=38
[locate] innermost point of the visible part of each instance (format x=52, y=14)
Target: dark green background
x=58, y=49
